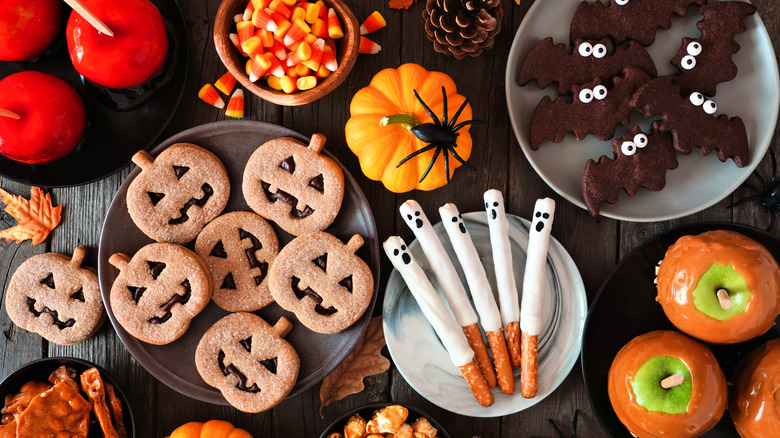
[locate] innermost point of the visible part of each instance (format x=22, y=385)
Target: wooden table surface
x=595, y=244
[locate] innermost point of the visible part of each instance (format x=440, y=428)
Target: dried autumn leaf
x=36, y=217
x=365, y=360
x=401, y=4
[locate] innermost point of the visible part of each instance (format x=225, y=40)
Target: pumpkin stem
x=407, y=120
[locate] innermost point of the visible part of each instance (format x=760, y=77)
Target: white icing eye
x=696, y=98
x=586, y=95
x=628, y=148
x=710, y=107
x=694, y=48
x=688, y=62
x=640, y=140
x=621, y=2
x=599, y=51
x=599, y=92
x=585, y=50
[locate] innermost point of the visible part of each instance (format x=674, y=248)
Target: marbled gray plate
x=422, y=359
x=174, y=364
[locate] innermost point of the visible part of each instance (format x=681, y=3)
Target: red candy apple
x=132, y=56
x=52, y=118
x=27, y=27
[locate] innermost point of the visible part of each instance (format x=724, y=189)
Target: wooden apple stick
x=505, y=274
x=450, y=284
x=533, y=293
x=672, y=381
x=724, y=299
x=481, y=293
x=89, y=16
x=9, y=113
x=436, y=313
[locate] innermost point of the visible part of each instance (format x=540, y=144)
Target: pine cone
x=462, y=27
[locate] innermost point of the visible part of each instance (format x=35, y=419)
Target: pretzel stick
x=450, y=284
x=437, y=315
x=533, y=290
x=513, y=343
x=481, y=293
x=505, y=275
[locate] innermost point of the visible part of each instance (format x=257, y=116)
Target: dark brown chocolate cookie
x=596, y=109
x=690, y=117
x=706, y=61
x=548, y=63
x=640, y=160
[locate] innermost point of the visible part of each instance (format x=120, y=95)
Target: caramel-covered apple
x=720, y=287
x=754, y=404
x=28, y=27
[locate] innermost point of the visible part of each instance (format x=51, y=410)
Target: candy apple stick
x=9, y=113
x=436, y=313
x=505, y=276
x=481, y=293
x=533, y=290
x=450, y=283
x=89, y=16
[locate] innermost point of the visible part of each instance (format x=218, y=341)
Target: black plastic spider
x=573, y=426
x=768, y=196
x=440, y=135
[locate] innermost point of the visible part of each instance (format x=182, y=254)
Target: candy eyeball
x=621, y=2
x=586, y=95
x=688, y=62
x=599, y=51
x=628, y=148
x=599, y=92
x=640, y=140
x=694, y=48
x=585, y=49
x=710, y=107
x=696, y=98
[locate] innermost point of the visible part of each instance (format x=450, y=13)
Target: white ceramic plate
x=699, y=182
x=422, y=359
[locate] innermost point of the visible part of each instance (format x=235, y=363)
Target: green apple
x=647, y=385
x=717, y=277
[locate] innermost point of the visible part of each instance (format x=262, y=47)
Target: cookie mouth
x=55, y=316
x=200, y=202
x=288, y=199
x=300, y=294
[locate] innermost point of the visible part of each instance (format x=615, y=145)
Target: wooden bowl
x=346, y=54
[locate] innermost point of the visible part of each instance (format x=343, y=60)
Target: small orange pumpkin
x=384, y=129
x=210, y=429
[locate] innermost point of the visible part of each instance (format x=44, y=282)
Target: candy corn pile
x=225, y=84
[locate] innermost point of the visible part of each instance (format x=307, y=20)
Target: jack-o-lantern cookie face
x=238, y=248
x=322, y=281
x=159, y=291
x=248, y=361
x=52, y=295
x=177, y=193
x=294, y=185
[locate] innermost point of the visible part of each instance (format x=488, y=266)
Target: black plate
x=625, y=307
x=112, y=136
x=367, y=412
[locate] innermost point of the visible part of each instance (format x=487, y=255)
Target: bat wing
x=545, y=63
x=702, y=70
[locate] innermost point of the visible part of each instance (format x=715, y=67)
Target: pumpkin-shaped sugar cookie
x=322, y=281
x=248, y=361
x=177, y=192
x=294, y=185
x=159, y=291
x=53, y=295
x=238, y=248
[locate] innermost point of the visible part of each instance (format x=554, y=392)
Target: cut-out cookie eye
x=621, y=2
x=599, y=92
x=640, y=140
x=710, y=107
x=694, y=48
x=599, y=51
x=628, y=148
x=696, y=98
x=585, y=49
x=586, y=95
x=688, y=62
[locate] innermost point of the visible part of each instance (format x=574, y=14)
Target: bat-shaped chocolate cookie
x=548, y=63
x=626, y=19
x=706, y=61
x=595, y=109
x=640, y=160
x=691, y=120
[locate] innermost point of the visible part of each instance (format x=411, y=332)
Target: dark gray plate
x=174, y=364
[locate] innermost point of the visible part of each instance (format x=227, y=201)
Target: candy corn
x=253, y=46
x=319, y=28
x=306, y=82
x=261, y=4
x=275, y=83
x=267, y=37
x=323, y=10
x=298, y=13
x=209, y=95
x=329, y=59
x=263, y=20
x=334, y=26
x=226, y=83
x=298, y=30
x=234, y=39
x=279, y=51
x=302, y=53
x=322, y=73
x=284, y=26
x=235, y=107
x=280, y=8
x=288, y=84
x=259, y=67
x=290, y=3
x=245, y=31
x=238, y=17
x=276, y=69
x=301, y=70
x=312, y=12
x=368, y=47
x=316, y=55
x=250, y=8
x=374, y=22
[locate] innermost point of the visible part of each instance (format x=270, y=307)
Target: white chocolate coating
x=535, y=265
x=502, y=256
x=481, y=292
x=440, y=263
x=450, y=333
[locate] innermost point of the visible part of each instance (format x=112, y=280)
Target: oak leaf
x=401, y=4
x=36, y=217
x=365, y=360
